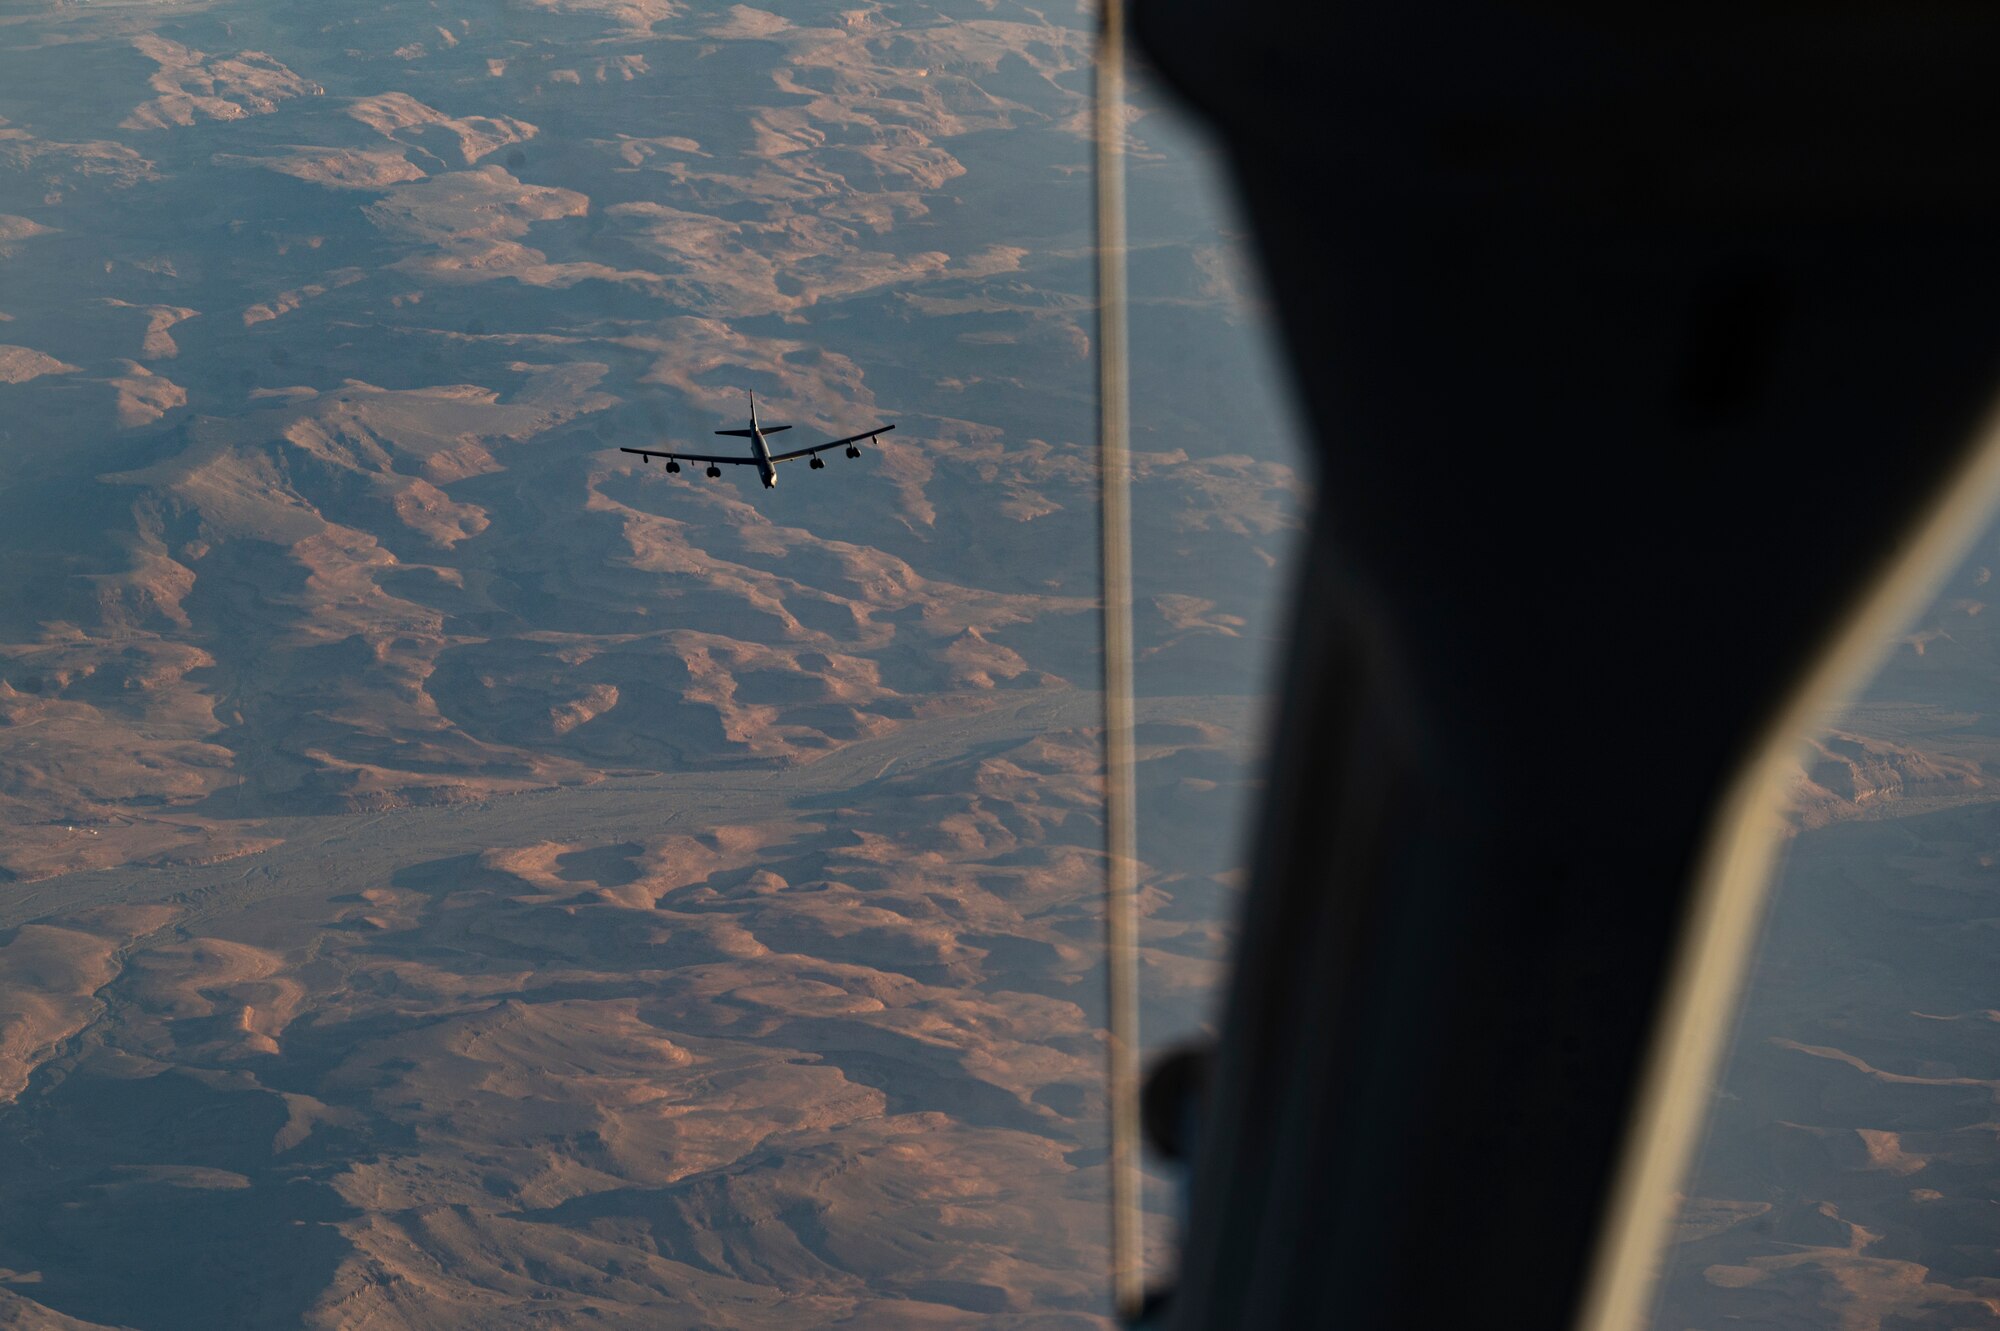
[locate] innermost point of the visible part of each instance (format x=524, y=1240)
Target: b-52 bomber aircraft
x=761, y=457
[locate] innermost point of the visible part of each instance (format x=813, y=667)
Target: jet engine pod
x=714, y=472
x=853, y=452
x=817, y=463
x=673, y=467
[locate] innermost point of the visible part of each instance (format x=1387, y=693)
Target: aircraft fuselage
x=765, y=467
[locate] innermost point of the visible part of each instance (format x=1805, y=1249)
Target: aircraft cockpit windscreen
x=458, y=873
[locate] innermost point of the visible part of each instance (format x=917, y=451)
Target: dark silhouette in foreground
x=1634, y=339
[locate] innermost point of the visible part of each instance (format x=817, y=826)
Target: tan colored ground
x=816, y=1049
x=453, y=874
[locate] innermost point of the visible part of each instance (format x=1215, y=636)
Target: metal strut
x=1121, y=921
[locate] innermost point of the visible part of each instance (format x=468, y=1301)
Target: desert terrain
x=608, y=1055
x=455, y=874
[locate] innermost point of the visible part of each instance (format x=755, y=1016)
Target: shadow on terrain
x=160, y=1204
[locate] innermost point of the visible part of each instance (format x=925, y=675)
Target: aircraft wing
x=831, y=443
x=687, y=457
